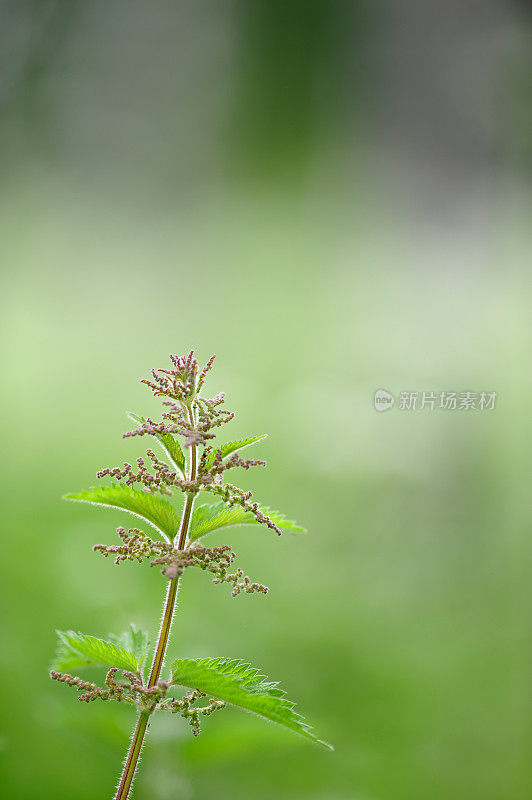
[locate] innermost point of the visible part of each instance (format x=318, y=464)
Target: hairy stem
x=166, y=622
x=130, y=766
x=128, y=773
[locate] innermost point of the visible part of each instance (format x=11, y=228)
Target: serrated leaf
x=210, y=517
x=241, y=685
x=231, y=447
x=79, y=650
x=157, y=511
x=134, y=640
x=169, y=443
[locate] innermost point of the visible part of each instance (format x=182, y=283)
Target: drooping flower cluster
x=213, y=464
x=130, y=688
x=234, y=496
x=185, y=707
x=159, y=481
x=217, y=560
x=90, y=690
x=137, y=546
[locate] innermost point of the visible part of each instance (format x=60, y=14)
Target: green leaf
x=173, y=449
x=155, y=510
x=230, y=447
x=210, y=517
x=241, y=685
x=169, y=443
x=79, y=650
x=134, y=640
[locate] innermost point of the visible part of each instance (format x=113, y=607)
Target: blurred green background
x=334, y=198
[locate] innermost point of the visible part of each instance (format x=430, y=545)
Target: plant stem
x=130, y=766
x=128, y=773
x=166, y=622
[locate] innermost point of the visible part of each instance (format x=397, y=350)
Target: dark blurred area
x=335, y=198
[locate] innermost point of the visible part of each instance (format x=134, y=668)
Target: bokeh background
x=335, y=198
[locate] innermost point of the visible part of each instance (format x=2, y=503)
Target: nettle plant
x=198, y=467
